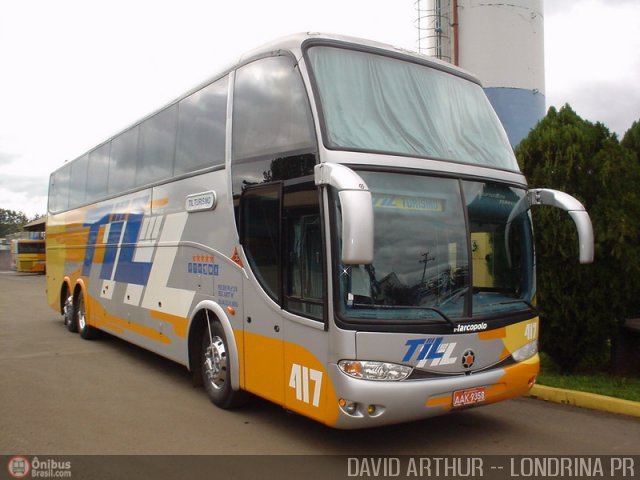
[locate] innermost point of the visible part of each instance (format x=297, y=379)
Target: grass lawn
x=627, y=388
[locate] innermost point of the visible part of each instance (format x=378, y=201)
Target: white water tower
x=502, y=43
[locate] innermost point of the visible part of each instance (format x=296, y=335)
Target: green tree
x=631, y=139
x=11, y=221
x=582, y=305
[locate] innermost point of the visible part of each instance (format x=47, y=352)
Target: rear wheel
x=216, y=369
x=86, y=331
x=67, y=311
x=70, y=316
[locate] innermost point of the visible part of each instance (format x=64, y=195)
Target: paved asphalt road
x=60, y=394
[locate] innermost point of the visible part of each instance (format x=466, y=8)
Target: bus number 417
x=300, y=379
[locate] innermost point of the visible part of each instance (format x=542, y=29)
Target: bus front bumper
x=366, y=403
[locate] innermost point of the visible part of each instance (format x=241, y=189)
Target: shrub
x=582, y=305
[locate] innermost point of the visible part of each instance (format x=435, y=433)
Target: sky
x=75, y=72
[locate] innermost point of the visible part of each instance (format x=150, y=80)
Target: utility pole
x=426, y=260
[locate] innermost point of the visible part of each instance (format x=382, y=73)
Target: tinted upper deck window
x=271, y=109
x=202, y=123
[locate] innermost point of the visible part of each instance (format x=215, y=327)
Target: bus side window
x=273, y=135
x=123, y=161
x=77, y=194
x=59, y=195
x=260, y=234
x=157, y=146
x=304, y=290
x=202, y=122
x=282, y=238
x=98, y=173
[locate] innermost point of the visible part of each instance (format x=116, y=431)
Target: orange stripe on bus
x=493, y=334
x=101, y=318
x=442, y=402
x=160, y=202
x=179, y=324
x=515, y=382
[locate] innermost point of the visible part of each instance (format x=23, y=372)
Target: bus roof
x=295, y=43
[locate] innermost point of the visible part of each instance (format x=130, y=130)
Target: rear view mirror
x=357, y=211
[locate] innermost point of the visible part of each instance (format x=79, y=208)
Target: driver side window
x=281, y=232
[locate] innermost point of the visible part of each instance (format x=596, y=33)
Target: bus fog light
x=528, y=351
x=375, y=411
x=381, y=371
x=348, y=406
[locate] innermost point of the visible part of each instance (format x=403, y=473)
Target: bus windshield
x=31, y=247
x=443, y=249
x=376, y=103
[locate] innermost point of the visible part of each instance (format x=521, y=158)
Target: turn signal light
x=369, y=370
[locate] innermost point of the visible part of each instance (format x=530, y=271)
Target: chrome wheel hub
x=215, y=363
x=81, y=318
x=68, y=310
x=81, y=321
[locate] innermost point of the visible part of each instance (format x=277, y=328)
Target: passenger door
x=263, y=343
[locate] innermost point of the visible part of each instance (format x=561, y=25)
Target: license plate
x=468, y=397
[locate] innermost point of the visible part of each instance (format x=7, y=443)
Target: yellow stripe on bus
x=99, y=317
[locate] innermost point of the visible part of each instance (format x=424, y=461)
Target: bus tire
x=216, y=369
x=86, y=331
x=70, y=315
x=67, y=311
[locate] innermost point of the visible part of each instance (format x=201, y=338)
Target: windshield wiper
x=442, y=314
x=405, y=307
x=455, y=295
x=508, y=302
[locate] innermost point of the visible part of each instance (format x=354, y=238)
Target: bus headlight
x=528, y=351
x=381, y=371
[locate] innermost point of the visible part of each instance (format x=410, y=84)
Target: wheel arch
x=197, y=327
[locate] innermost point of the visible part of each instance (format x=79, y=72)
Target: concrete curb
x=586, y=400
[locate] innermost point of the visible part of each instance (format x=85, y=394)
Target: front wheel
x=216, y=369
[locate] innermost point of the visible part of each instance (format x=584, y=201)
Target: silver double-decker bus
x=335, y=225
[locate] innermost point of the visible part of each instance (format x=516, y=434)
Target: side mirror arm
x=579, y=215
